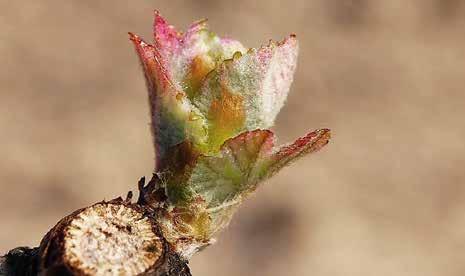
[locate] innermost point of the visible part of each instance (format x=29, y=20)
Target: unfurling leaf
x=205, y=89
x=216, y=185
x=212, y=102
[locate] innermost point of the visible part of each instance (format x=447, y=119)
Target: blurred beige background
x=386, y=196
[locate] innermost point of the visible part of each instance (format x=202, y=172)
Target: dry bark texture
x=108, y=238
x=24, y=261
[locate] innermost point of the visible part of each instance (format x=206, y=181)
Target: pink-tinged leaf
x=173, y=118
x=156, y=75
x=174, y=67
x=259, y=78
x=166, y=38
x=310, y=143
x=245, y=160
x=190, y=56
x=221, y=182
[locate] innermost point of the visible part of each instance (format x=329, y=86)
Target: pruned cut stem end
x=108, y=238
x=111, y=239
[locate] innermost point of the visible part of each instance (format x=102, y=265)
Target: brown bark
x=57, y=255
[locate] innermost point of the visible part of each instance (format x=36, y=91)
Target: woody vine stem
x=212, y=104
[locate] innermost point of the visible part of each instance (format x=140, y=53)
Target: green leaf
x=247, y=91
x=223, y=181
x=246, y=160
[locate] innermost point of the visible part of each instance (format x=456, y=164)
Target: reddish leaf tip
x=158, y=18
x=320, y=137
x=133, y=36
x=311, y=142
